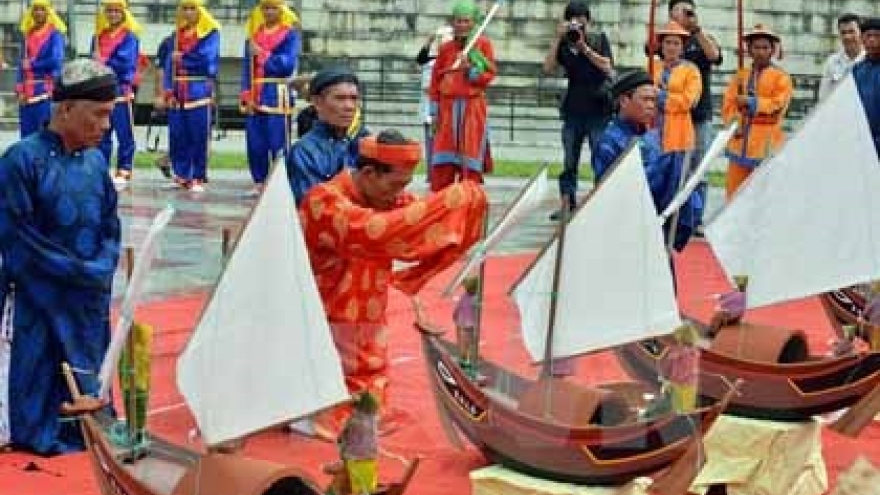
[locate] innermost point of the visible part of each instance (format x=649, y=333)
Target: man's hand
x=25, y=64
x=177, y=57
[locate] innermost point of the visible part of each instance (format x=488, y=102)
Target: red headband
x=403, y=156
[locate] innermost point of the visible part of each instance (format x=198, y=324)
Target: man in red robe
x=458, y=103
x=356, y=225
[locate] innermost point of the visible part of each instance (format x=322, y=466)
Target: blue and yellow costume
x=265, y=96
x=663, y=171
x=59, y=243
x=42, y=58
x=188, y=83
x=118, y=47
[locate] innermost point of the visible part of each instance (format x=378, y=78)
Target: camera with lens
x=576, y=32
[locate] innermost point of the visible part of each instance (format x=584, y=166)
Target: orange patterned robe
x=351, y=249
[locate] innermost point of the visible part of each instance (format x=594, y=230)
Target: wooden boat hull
x=589, y=454
x=775, y=391
x=167, y=469
x=844, y=306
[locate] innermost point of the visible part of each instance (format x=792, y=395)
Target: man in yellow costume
x=758, y=96
x=356, y=225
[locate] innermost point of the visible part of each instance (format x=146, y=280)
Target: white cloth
x=5, y=358
x=836, y=67
x=753, y=457
x=424, y=100
x=498, y=480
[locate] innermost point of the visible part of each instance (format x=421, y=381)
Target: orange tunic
x=760, y=131
x=352, y=248
x=683, y=86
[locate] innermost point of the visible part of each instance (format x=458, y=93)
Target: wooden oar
x=859, y=415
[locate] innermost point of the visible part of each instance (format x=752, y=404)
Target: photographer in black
x=585, y=56
x=702, y=50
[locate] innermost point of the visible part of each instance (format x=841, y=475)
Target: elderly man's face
x=640, y=107
x=382, y=188
x=82, y=123
x=338, y=104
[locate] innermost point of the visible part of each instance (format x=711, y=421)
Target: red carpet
x=444, y=469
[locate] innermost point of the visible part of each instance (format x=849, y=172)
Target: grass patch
x=227, y=160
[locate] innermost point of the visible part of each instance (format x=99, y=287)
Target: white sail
x=530, y=199
x=262, y=353
x=615, y=283
x=715, y=149
x=807, y=220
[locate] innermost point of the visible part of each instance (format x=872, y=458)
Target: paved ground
x=189, y=256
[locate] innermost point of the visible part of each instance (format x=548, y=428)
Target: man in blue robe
x=59, y=243
x=331, y=144
x=867, y=76
x=636, y=97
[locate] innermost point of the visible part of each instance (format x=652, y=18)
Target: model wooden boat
x=559, y=430
x=792, y=230
x=781, y=379
x=588, y=436
x=261, y=355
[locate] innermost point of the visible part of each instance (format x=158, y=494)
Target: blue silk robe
x=663, y=171
x=59, y=241
x=318, y=156
x=867, y=76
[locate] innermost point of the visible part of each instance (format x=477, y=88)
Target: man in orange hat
x=758, y=96
x=356, y=225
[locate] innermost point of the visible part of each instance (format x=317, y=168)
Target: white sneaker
x=304, y=427
x=197, y=187
x=120, y=182
x=169, y=186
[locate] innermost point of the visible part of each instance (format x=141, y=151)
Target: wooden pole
x=131, y=400
x=652, y=38
x=225, y=241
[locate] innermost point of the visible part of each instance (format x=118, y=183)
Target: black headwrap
x=870, y=24
x=629, y=81
x=85, y=79
x=331, y=76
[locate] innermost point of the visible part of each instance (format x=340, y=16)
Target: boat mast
x=547, y=365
